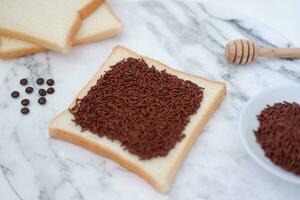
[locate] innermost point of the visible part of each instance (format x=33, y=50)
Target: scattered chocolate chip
x=42, y=92
x=42, y=100
x=25, y=111
x=50, y=90
x=15, y=94
x=23, y=81
x=50, y=82
x=25, y=102
x=29, y=90
x=40, y=81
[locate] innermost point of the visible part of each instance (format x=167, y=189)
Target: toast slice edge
x=29, y=48
x=74, y=28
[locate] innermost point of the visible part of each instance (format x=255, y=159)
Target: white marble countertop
x=189, y=36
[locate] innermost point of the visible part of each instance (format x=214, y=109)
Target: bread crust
x=21, y=52
x=92, y=38
x=97, y=148
x=79, y=16
x=102, y=35
x=195, y=133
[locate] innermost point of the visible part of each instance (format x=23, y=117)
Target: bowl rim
x=252, y=154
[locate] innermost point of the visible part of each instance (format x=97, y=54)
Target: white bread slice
x=159, y=172
x=50, y=24
x=101, y=24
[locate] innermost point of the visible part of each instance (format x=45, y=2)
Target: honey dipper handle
x=279, y=52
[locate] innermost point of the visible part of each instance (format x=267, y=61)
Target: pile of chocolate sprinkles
x=143, y=108
x=279, y=135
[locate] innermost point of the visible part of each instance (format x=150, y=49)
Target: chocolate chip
x=25, y=111
x=42, y=92
x=23, y=81
x=15, y=94
x=50, y=90
x=25, y=102
x=29, y=90
x=50, y=82
x=42, y=100
x=40, y=81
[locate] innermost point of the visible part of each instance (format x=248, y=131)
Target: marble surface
x=189, y=36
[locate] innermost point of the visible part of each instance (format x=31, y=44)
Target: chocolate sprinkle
x=25, y=102
x=23, y=81
x=25, y=111
x=42, y=92
x=15, y=94
x=279, y=135
x=29, y=90
x=143, y=108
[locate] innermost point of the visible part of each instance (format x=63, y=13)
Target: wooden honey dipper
x=244, y=51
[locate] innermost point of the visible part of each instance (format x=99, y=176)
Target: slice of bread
x=101, y=24
x=50, y=24
x=159, y=172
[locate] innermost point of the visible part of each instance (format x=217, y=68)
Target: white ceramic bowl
x=248, y=122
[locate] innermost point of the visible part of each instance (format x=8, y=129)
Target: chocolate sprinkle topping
x=143, y=108
x=279, y=135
